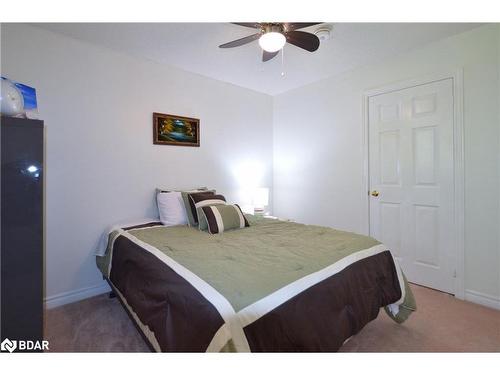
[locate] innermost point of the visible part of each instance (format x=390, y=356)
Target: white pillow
x=171, y=208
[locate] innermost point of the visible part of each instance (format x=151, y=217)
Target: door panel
x=389, y=160
x=424, y=155
x=426, y=221
x=390, y=228
x=411, y=167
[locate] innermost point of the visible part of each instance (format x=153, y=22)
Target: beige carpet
x=441, y=324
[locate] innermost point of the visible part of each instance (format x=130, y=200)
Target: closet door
x=411, y=180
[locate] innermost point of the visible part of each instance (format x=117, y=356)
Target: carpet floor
x=441, y=324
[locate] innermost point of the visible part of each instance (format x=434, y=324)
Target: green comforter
x=248, y=264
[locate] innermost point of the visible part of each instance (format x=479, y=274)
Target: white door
x=411, y=169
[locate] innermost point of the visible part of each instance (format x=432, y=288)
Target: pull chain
x=282, y=61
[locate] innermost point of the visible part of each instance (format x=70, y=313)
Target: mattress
x=275, y=286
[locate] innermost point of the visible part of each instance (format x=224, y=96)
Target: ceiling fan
x=272, y=37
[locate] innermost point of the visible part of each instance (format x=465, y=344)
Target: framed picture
x=175, y=130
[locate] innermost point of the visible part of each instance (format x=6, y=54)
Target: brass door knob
x=375, y=193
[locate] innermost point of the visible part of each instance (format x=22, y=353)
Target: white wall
x=318, y=154
x=101, y=165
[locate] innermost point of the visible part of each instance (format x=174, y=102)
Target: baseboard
x=75, y=295
x=483, y=299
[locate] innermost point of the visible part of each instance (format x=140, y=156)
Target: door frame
x=458, y=162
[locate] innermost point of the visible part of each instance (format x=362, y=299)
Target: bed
x=276, y=286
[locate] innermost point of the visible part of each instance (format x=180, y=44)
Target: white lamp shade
x=261, y=197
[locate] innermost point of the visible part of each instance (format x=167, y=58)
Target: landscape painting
x=175, y=130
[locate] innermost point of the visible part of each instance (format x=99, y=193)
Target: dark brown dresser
x=22, y=228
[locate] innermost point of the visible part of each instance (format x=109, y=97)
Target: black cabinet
x=22, y=143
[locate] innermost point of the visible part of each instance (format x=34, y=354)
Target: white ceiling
x=194, y=47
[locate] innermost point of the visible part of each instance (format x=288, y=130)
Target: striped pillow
x=224, y=217
x=190, y=208
x=199, y=200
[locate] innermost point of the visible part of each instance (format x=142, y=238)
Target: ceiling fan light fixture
x=272, y=41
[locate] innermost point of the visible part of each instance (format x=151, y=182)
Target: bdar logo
x=8, y=345
x=24, y=345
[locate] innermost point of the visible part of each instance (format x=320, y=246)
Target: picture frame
x=175, y=130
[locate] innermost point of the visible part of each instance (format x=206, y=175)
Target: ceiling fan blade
x=253, y=25
x=290, y=26
x=266, y=56
x=301, y=39
x=241, y=41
